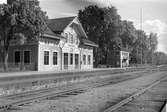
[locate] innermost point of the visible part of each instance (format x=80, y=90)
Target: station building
x=64, y=46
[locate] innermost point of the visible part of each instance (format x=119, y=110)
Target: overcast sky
x=154, y=13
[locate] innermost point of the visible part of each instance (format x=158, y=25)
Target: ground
x=95, y=100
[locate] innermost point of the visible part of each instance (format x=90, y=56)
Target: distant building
x=118, y=58
x=64, y=46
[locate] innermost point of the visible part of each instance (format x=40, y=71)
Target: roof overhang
x=89, y=43
x=56, y=37
x=92, y=45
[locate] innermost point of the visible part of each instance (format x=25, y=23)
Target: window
x=72, y=39
x=17, y=57
x=76, y=59
x=46, y=57
x=65, y=58
x=84, y=59
x=27, y=57
x=54, y=58
x=89, y=59
x=69, y=37
x=71, y=59
x=77, y=41
x=66, y=35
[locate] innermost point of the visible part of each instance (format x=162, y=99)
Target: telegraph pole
x=141, y=18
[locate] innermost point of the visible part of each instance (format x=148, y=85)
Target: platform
x=29, y=73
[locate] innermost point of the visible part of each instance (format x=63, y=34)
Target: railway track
x=28, y=97
x=134, y=96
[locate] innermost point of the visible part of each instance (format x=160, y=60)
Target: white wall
x=51, y=48
x=87, y=52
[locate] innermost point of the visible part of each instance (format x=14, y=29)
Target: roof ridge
x=63, y=18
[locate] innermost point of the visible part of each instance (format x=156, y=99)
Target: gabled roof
x=49, y=31
x=59, y=24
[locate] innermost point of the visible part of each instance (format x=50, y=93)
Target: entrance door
x=76, y=61
x=65, y=60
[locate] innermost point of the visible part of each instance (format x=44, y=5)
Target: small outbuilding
x=118, y=58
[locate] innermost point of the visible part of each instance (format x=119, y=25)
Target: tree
x=92, y=19
x=105, y=27
x=102, y=26
x=113, y=29
x=20, y=17
x=159, y=58
x=128, y=34
x=140, y=47
x=153, y=42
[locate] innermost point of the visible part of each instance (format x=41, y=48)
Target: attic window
x=66, y=35
x=72, y=39
x=77, y=41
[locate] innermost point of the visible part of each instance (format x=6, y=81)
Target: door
x=76, y=61
x=65, y=60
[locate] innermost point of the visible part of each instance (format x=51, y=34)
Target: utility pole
x=141, y=35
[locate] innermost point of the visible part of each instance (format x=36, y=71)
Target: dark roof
x=49, y=33
x=89, y=43
x=59, y=24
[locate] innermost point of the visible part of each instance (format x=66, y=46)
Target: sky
x=154, y=17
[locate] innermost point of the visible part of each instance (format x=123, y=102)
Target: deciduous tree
x=20, y=16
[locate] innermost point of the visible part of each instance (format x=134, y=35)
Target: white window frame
x=53, y=57
x=44, y=57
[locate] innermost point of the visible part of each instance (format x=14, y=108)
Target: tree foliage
x=159, y=58
x=20, y=18
x=105, y=27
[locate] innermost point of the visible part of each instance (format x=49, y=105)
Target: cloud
x=109, y=2
x=159, y=27
x=3, y=1
x=156, y=26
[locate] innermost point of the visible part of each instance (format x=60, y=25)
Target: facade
x=118, y=58
x=64, y=46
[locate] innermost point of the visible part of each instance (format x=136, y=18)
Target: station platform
x=30, y=73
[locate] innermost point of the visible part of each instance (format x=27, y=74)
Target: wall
x=33, y=58
x=71, y=47
x=86, y=51
x=51, y=47
x=124, y=55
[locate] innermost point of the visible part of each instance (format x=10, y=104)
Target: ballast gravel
x=95, y=100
